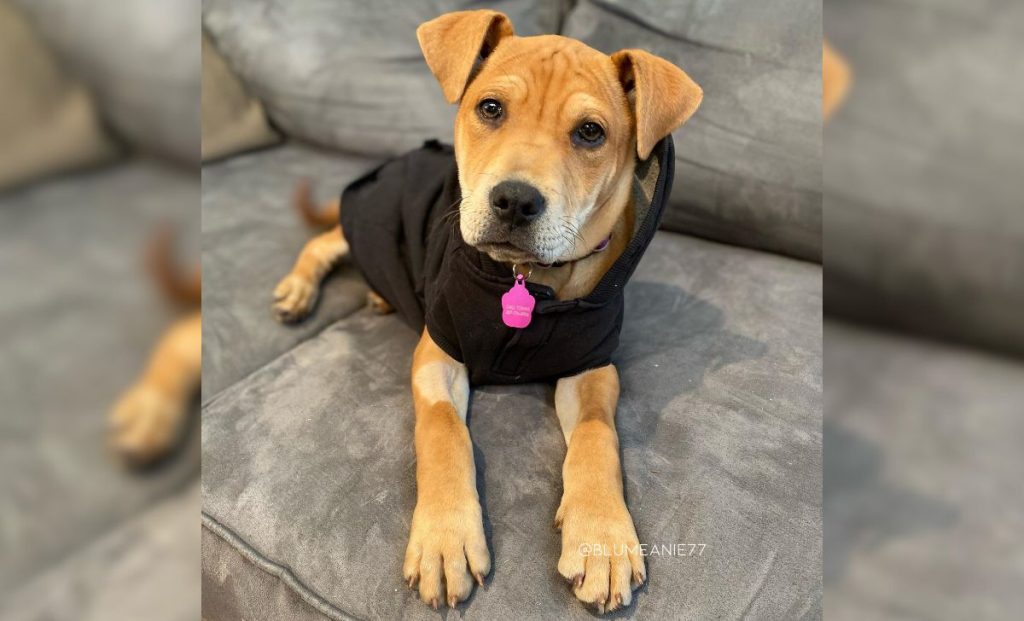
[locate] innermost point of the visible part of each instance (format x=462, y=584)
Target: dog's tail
x=312, y=215
x=185, y=290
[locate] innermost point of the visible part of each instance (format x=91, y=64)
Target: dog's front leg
x=601, y=555
x=447, y=535
x=297, y=292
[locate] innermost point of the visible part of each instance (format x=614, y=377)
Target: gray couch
x=308, y=476
x=924, y=234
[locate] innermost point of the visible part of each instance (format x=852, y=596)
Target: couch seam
x=281, y=572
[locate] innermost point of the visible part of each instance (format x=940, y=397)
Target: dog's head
x=548, y=132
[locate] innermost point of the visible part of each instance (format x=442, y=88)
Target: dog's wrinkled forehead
x=547, y=69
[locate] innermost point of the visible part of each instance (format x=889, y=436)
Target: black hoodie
x=401, y=221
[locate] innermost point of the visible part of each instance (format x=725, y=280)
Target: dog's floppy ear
x=453, y=43
x=663, y=95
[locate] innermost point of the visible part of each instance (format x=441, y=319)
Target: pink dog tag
x=517, y=304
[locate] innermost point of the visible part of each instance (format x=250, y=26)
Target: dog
x=552, y=138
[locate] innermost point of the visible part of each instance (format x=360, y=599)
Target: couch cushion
x=922, y=465
x=48, y=121
x=350, y=74
x=924, y=225
x=80, y=317
x=309, y=467
x=103, y=581
x=142, y=61
x=251, y=237
x=232, y=120
x=748, y=164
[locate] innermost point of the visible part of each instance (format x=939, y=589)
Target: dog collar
x=517, y=304
x=599, y=248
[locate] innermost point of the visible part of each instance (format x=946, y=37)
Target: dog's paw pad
x=294, y=298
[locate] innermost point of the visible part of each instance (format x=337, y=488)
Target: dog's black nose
x=517, y=202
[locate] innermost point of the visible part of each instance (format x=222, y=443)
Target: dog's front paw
x=294, y=297
x=145, y=424
x=446, y=541
x=601, y=554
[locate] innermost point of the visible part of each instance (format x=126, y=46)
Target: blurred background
x=924, y=301
x=99, y=151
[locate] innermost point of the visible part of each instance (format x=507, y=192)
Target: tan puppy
x=569, y=123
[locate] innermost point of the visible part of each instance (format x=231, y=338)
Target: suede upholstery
x=232, y=120
x=250, y=239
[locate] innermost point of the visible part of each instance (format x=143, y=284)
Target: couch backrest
x=349, y=74
x=748, y=164
x=141, y=60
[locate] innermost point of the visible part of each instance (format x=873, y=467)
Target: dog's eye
x=490, y=110
x=590, y=134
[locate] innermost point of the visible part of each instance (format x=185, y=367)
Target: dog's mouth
x=509, y=244
x=506, y=252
